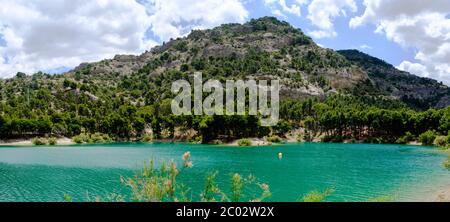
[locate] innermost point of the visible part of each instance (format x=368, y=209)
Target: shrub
x=78, y=139
x=92, y=138
x=244, y=142
x=440, y=141
x=300, y=138
x=274, y=139
x=333, y=139
x=100, y=138
x=82, y=138
x=428, y=137
x=408, y=137
x=147, y=138
x=52, y=141
x=38, y=141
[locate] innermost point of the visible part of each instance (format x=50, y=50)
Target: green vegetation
x=38, y=141
x=161, y=185
x=408, y=137
x=446, y=163
x=440, y=141
x=428, y=138
x=274, y=139
x=317, y=196
x=100, y=99
x=92, y=138
x=382, y=199
x=244, y=142
x=52, y=141
x=147, y=138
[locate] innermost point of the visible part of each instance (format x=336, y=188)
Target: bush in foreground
x=161, y=185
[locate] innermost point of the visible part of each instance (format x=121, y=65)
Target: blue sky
x=376, y=44
x=54, y=36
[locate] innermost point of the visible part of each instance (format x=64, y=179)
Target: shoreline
x=441, y=194
x=29, y=142
x=255, y=142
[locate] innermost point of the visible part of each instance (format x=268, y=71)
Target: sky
x=56, y=35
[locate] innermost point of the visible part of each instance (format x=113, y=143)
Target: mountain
x=260, y=49
x=264, y=48
x=417, y=92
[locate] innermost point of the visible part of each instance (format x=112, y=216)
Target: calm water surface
x=357, y=172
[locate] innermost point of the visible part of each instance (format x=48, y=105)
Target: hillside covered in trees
x=345, y=95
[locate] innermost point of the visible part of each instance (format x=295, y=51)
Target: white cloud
x=44, y=35
x=321, y=13
x=280, y=7
x=416, y=68
x=423, y=25
x=364, y=46
x=319, y=34
x=174, y=18
x=50, y=34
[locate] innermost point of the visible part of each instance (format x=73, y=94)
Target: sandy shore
x=443, y=196
x=28, y=142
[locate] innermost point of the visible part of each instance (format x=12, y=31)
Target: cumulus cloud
x=281, y=8
x=416, y=68
x=44, y=35
x=423, y=25
x=322, y=13
x=175, y=18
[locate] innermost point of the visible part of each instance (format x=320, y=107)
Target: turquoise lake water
x=357, y=172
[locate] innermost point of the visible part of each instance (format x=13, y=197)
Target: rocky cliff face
x=304, y=68
x=417, y=92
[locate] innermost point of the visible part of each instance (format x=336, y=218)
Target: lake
x=357, y=172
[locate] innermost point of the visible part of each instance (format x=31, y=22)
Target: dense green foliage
x=98, y=103
x=379, y=121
